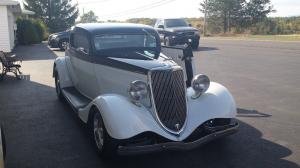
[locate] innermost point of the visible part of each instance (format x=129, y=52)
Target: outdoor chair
x=10, y=64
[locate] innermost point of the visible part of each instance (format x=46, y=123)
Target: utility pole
x=49, y=8
x=228, y=21
x=205, y=15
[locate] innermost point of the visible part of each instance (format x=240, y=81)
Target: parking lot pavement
x=264, y=78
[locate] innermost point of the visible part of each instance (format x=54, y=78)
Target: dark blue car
x=59, y=40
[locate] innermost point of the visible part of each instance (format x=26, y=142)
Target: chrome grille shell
x=168, y=96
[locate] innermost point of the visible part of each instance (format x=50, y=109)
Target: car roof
x=100, y=28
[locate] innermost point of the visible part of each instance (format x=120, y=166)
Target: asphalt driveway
x=264, y=78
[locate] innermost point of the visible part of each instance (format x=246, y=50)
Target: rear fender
x=60, y=67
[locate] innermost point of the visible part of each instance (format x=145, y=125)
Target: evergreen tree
x=257, y=10
x=58, y=15
x=89, y=17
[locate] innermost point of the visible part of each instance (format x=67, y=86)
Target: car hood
x=141, y=66
x=181, y=29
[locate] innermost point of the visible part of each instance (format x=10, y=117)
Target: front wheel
x=167, y=42
x=105, y=145
x=195, y=45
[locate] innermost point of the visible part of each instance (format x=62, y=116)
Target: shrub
x=30, y=31
x=41, y=29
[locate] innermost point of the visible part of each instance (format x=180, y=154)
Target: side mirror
x=190, y=25
x=161, y=26
x=81, y=50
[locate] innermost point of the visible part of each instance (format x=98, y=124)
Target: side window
x=79, y=40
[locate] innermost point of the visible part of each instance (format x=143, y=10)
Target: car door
x=82, y=64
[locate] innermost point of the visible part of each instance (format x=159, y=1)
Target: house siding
x=5, y=44
x=11, y=22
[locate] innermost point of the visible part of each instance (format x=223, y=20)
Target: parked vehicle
x=177, y=31
x=133, y=97
x=59, y=40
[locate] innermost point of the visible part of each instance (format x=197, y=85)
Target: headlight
x=138, y=90
x=200, y=84
x=53, y=36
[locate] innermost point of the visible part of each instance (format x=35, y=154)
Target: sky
x=124, y=9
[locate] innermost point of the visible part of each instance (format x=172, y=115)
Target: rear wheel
x=57, y=86
x=63, y=44
x=105, y=145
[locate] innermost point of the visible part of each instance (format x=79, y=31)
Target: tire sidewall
x=57, y=86
x=167, y=41
x=109, y=147
x=195, y=45
x=60, y=44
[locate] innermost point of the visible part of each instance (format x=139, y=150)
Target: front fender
x=60, y=66
x=124, y=120
x=216, y=102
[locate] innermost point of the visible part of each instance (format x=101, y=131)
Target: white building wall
x=11, y=22
x=4, y=30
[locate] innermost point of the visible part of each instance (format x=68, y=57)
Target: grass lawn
x=292, y=37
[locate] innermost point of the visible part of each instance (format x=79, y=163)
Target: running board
x=76, y=99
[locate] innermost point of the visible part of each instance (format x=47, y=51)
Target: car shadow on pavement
x=28, y=52
x=42, y=131
x=206, y=48
x=245, y=149
x=250, y=113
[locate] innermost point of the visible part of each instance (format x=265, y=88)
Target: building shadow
x=34, y=52
x=42, y=131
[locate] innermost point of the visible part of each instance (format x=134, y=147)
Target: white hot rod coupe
x=137, y=96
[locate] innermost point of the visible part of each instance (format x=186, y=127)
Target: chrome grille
x=168, y=91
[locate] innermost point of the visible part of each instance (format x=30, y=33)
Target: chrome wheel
x=98, y=131
x=64, y=45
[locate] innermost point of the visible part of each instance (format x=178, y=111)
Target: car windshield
x=175, y=23
x=110, y=44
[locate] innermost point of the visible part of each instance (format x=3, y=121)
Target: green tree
x=237, y=13
x=226, y=12
x=89, y=17
x=58, y=15
x=257, y=10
